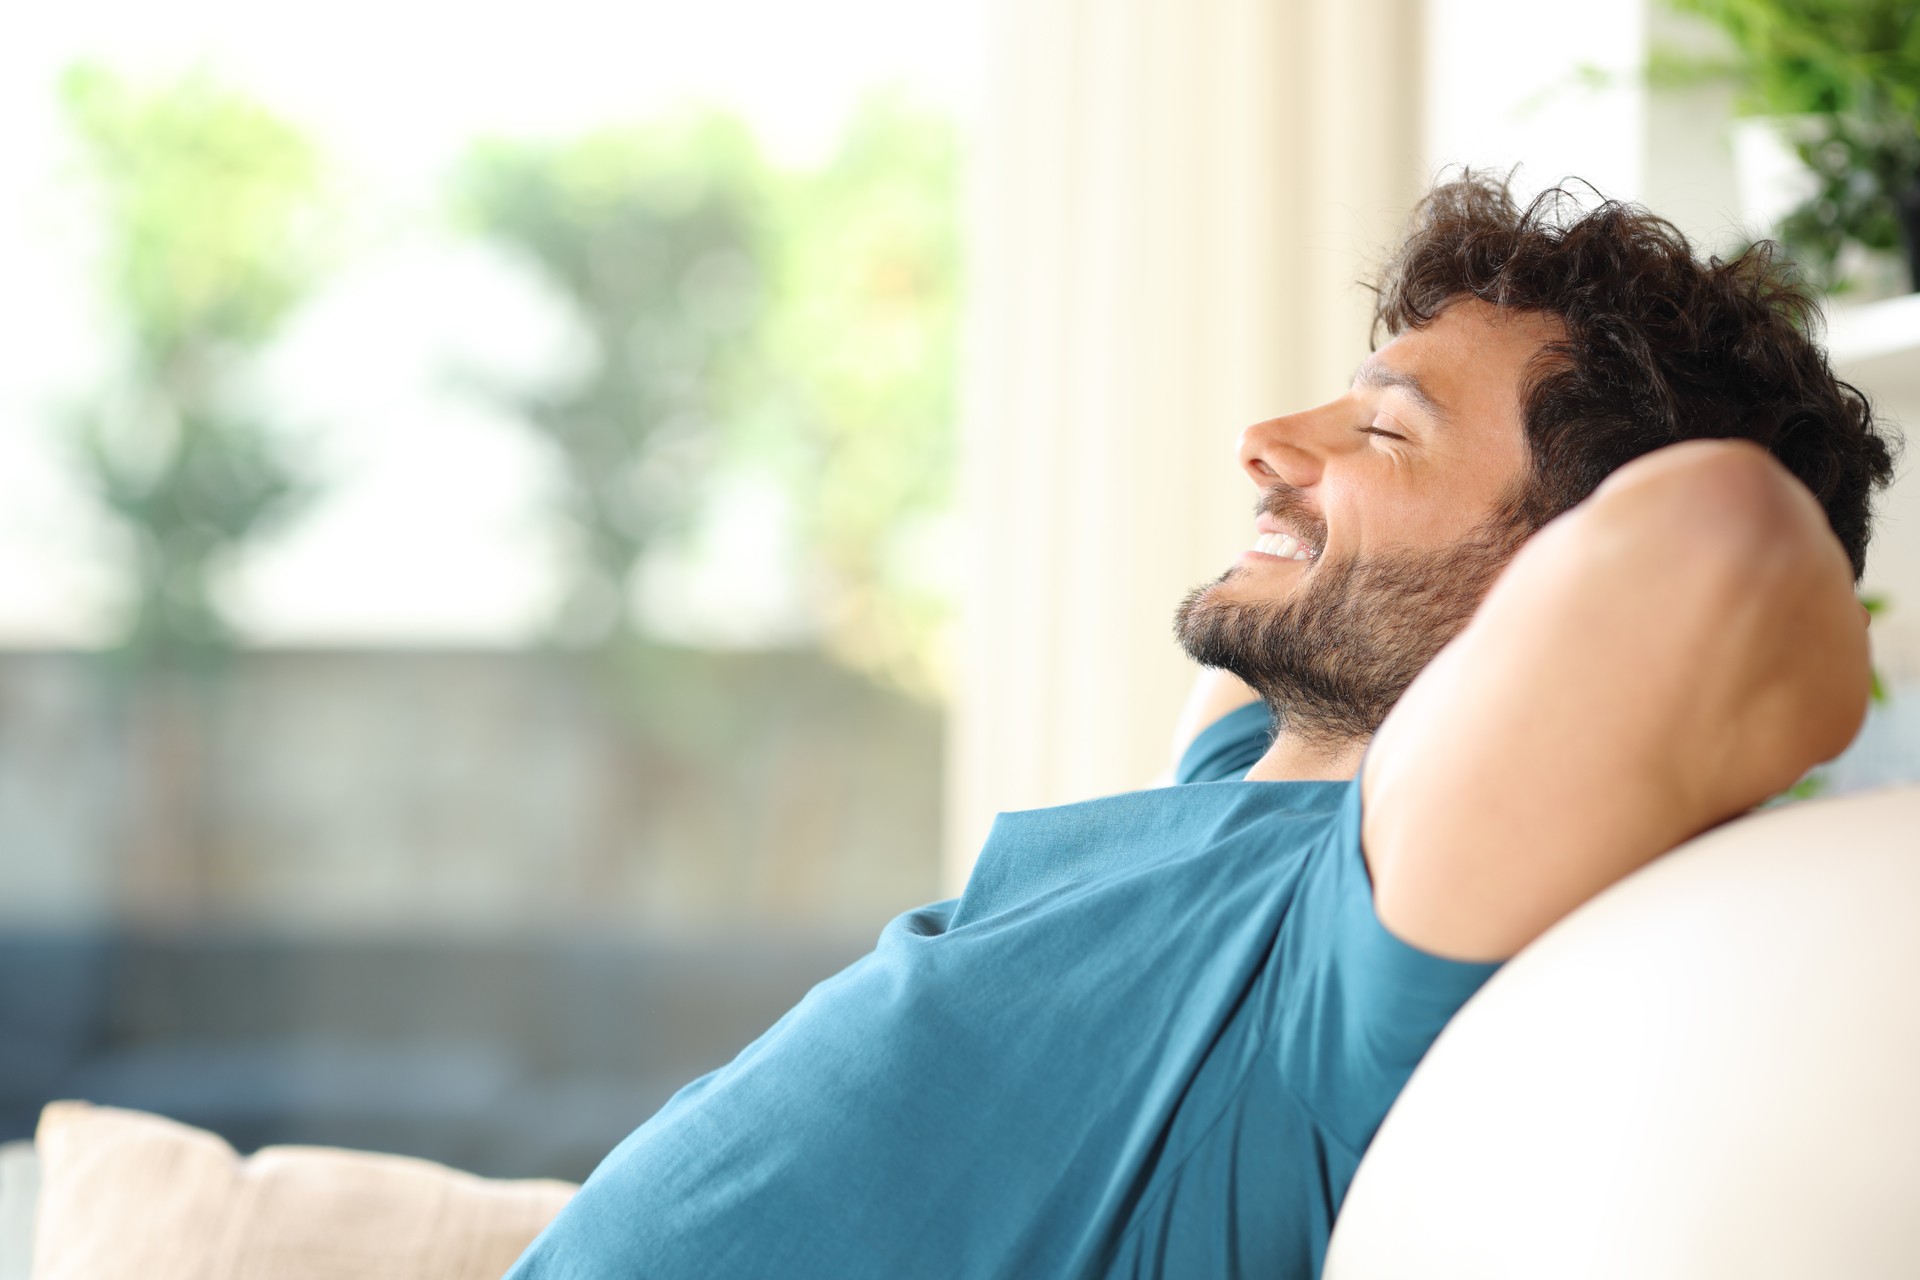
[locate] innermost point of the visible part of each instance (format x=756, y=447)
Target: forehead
x=1470, y=363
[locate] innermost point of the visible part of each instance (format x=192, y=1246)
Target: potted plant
x=1848, y=72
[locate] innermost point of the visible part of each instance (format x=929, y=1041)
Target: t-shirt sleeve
x=1228, y=747
x=1357, y=1007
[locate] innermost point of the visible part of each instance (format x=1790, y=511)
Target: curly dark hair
x=1659, y=346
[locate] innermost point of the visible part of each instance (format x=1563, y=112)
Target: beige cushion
x=125, y=1194
x=1709, y=1072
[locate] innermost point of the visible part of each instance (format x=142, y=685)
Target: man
x=1563, y=579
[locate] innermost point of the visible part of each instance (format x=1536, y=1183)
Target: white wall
x=1504, y=87
x=1878, y=349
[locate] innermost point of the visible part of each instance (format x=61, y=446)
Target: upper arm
x=1669, y=653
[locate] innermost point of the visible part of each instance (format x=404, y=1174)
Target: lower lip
x=1251, y=554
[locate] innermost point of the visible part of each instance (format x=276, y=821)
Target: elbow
x=1789, y=583
x=1781, y=639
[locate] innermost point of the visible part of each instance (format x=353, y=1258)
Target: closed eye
x=1376, y=431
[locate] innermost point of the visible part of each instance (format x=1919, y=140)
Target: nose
x=1291, y=449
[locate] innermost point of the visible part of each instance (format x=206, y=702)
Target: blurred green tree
x=654, y=238
x=862, y=331
x=797, y=324
x=213, y=208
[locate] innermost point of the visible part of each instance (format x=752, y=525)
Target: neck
x=1295, y=757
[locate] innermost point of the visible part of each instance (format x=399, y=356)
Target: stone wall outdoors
x=408, y=792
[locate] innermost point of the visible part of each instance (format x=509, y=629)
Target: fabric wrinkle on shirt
x=1153, y=1036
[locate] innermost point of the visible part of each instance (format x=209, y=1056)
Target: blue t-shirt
x=1152, y=1037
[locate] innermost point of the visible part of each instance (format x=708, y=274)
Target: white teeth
x=1282, y=545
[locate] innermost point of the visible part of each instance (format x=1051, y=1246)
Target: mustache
x=1290, y=506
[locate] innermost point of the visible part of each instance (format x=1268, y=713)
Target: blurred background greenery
x=488, y=885
x=209, y=206
x=729, y=315
x=1840, y=81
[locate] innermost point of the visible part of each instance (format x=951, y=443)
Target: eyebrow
x=1374, y=374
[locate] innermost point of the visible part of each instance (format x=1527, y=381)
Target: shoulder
x=1227, y=747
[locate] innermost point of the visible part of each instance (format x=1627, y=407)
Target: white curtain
x=1175, y=200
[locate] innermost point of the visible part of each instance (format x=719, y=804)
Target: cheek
x=1437, y=514
x=1450, y=514
x=1482, y=486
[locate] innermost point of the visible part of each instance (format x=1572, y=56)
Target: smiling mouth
x=1283, y=546
x=1287, y=526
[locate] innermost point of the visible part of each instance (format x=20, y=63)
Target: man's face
x=1375, y=537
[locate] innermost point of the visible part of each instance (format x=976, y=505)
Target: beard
x=1332, y=658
